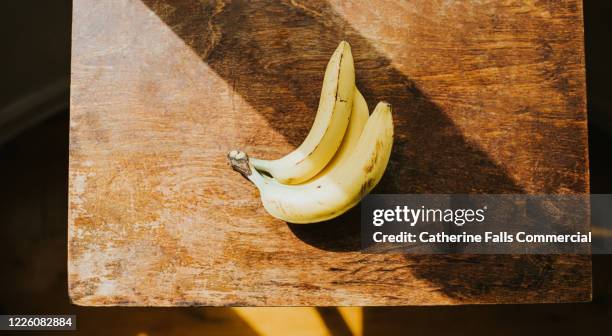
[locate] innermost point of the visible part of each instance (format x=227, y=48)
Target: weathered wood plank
x=488, y=97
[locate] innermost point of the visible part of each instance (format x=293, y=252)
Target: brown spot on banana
x=366, y=186
x=372, y=162
x=338, y=78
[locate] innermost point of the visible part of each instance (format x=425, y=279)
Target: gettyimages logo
x=412, y=216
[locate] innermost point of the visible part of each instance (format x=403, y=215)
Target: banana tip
x=385, y=104
x=344, y=45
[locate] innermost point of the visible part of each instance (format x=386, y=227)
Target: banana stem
x=239, y=161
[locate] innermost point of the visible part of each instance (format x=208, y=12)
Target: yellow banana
x=359, y=118
x=330, y=124
x=338, y=188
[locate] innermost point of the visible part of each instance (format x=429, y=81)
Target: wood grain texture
x=488, y=97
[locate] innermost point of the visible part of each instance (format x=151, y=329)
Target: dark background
x=34, y=122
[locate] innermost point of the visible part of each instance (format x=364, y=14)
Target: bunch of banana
x=341, y=160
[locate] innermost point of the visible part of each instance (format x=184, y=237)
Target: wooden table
x=489, y=97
